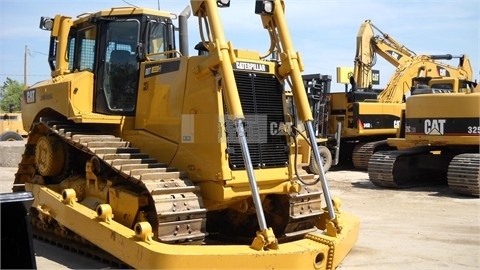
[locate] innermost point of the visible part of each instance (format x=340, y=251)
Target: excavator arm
x=364, y=56
x=368, y=45
x=409, y=65
x=392, y=51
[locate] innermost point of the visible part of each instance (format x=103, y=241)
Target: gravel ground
x=419, y=228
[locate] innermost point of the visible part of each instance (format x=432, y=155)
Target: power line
x=35, y=53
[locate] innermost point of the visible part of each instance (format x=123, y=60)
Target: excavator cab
x=437, y=85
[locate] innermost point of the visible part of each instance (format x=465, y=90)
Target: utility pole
x=25, y=65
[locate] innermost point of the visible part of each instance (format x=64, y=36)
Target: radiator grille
x=262, y=104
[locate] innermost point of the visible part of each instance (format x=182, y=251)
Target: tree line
x=11, y=93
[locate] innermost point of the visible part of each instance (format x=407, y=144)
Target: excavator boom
x=368, y=45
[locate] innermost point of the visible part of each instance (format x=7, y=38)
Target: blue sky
x=323, y=32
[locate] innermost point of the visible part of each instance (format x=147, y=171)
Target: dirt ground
x=419, y=228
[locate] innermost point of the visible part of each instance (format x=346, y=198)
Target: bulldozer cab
x=112, y=47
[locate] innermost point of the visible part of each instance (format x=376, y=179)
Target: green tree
x=10, y=95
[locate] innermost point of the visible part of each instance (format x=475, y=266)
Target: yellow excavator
x=438, y=142
x=369, y=117
x=166, y=160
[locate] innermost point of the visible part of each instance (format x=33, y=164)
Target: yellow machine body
x=11, y=127
x=383, y=119
x=370, y=116
x=366, y=118
x=153, y=174
x=426, y=125
x=438, y=141
x=315, y=251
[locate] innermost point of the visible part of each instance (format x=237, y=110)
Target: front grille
x=262, y=104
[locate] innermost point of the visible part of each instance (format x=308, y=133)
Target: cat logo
x=394, y=54
x=434, y=126
x=250, y=66
x=443, y=72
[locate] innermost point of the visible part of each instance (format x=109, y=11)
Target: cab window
x=121, y=67
x=156, y=40
x=81, y=50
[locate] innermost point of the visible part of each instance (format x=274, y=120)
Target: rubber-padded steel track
x=380, y=168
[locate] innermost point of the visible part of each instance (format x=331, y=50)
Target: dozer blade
x=136, y=248
x=340, y=235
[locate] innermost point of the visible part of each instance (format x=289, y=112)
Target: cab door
x=116, y=82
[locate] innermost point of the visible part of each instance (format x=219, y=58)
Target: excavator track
x=363, y=151
x=380, y=169
x=464, y=174
x=407, y=168
x=419, y=167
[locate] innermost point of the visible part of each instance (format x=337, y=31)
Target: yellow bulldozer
x=166, y=160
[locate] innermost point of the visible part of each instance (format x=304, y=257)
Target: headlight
x=223, y=3
x=264, y=7
x=46, y=23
